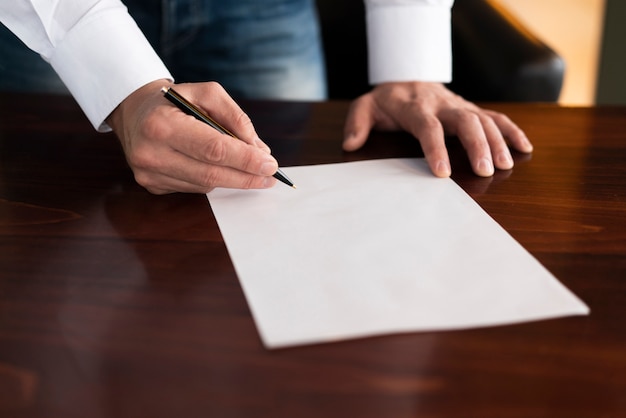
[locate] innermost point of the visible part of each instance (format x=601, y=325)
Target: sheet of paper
x=377, y=247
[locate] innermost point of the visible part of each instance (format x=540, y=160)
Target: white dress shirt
x=94, y=45
x=102, y=56
x=409, y=40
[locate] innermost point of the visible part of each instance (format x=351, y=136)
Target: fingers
x=486, y=136
x=166, y=170
x=359, y=123
x=429, y=111
x=189, y=176
x=200, y=142
x=185, y=154
x=516, y=137
x=428, y=129
x=169, y=150
x=215, y=101
x=469, y=128
x=500, y=154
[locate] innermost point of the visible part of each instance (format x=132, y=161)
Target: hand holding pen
x=193, y=110
x=170, y=152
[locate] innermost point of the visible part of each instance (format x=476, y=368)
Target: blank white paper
x=377, y=247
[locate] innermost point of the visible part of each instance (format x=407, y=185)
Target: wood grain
x=118, y=303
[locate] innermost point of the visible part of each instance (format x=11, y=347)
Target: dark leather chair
x=495, y=58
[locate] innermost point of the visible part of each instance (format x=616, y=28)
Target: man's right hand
x=170, y=151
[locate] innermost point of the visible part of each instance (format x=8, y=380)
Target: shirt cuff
x=103, y=60
x=409, y=42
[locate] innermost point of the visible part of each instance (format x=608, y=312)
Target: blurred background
x=591, y=36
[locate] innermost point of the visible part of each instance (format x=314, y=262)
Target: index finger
x=219, y=105
x=201, y=142
x=427, y=128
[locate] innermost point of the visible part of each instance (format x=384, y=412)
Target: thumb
x=359, y=123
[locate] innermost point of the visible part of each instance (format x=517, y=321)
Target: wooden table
x=118, y=303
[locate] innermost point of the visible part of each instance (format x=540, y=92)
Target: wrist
x=134, y=101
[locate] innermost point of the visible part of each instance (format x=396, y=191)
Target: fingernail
x=504, y=160
x=443, y=169
x=484, y=167
x=269, y=167
x=527, y=145
x=349, y=139
x=268, y=182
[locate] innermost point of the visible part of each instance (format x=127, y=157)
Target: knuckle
x=209, y=179
x=469, y=118
x=145, y=180
x=248, y=166
x=216, y=151
x=154, y=128
x=213, y=87
x=250, y=182
x=243, y=120
x=396, y=92
x=141, y=158
x=430, y=122
x=419, y=107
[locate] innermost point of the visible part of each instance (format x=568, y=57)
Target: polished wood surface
x=118, y=303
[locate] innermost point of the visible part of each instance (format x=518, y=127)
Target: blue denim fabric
x=255, y=48
x=22, y=70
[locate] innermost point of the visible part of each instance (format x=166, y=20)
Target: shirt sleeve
x=409, y=40
x=94, y=45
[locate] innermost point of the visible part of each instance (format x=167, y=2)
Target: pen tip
x=164, y=89
x=294, y=186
